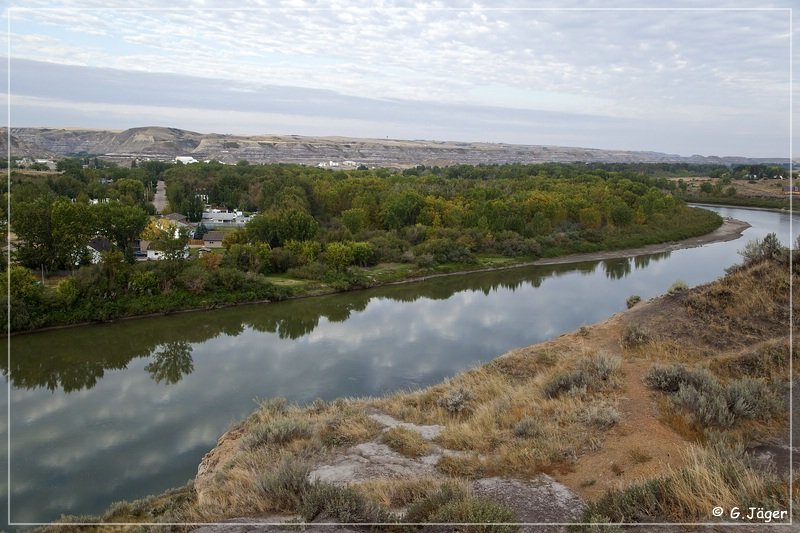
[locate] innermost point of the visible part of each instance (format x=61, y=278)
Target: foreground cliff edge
x=668, y=412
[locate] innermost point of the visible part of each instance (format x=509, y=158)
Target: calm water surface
x=120, y=411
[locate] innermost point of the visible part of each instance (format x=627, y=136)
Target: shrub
x=285, y=487
x=456, y=400
x=593, y=373
x=678, y=286
x=600, y=416
x=566, y=382
x=706, y=409
x=282, y=259
x=460, y=466
x=528, y=427
x=69, y=293
x=143, y=282
x=278, y=431
x=194, y=278
x=751, y=398
x=228, y=279
x=445, y=251
x=452, y=504
x=758, y=250
x=633, y=300
x=600, y=366
x=709, y=403
x=634, y=335
x=670, y=378
x=341, y=504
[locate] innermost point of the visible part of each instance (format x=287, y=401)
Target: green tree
x=402, y=210
x=128, y=191
x=31, y=221
x=52, y=231
x=192, y=206
x=73, y=226
x=355, y=219
x=121, y=224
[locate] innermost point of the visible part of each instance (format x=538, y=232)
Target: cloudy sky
x=686, y=81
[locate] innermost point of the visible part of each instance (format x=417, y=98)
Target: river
x=119, y=411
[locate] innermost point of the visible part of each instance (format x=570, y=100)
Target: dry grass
x=713, y=476
x=399, y=493
x=639, y=456
x=406, y=441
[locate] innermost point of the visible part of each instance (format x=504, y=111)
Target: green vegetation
x=633, y=300
x=321, y=230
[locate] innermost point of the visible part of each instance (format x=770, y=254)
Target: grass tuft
x=633, y=300
x=633, y=336
x=277, y=432
x=406, y=441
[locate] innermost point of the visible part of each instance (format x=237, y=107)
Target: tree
x=129, y=191
x=278, y=227
x=199, y=231
x=31, y=221
x=121, y=224
x=73, y=226
x=52, y=231
x=192, y=206
x=402, y=210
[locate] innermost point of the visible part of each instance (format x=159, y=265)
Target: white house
x=186, y=159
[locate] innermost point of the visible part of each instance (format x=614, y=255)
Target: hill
x=168, y=143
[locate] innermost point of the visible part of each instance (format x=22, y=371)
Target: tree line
x=323, y=226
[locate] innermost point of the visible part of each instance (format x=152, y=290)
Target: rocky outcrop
x=168, y=143
x=539, y=500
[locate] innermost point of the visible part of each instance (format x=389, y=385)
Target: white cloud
x=648, y=64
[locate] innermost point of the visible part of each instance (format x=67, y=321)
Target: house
x=186, y=159
x=156, y=255
x=219, y=217
x=96, y=247
x=213, y=239
x=176, y=217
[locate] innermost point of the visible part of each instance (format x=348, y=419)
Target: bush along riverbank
x=659, y=414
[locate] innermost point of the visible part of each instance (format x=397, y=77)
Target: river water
x=119, y=411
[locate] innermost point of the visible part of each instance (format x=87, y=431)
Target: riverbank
x=556, y=423
x=729, y=230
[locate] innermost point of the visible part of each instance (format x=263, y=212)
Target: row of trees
x=53, y=231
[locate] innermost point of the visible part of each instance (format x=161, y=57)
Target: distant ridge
x=168, y=143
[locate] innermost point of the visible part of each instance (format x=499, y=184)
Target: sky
x=611, y=75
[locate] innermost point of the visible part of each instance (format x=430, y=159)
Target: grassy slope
x=576, y=407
